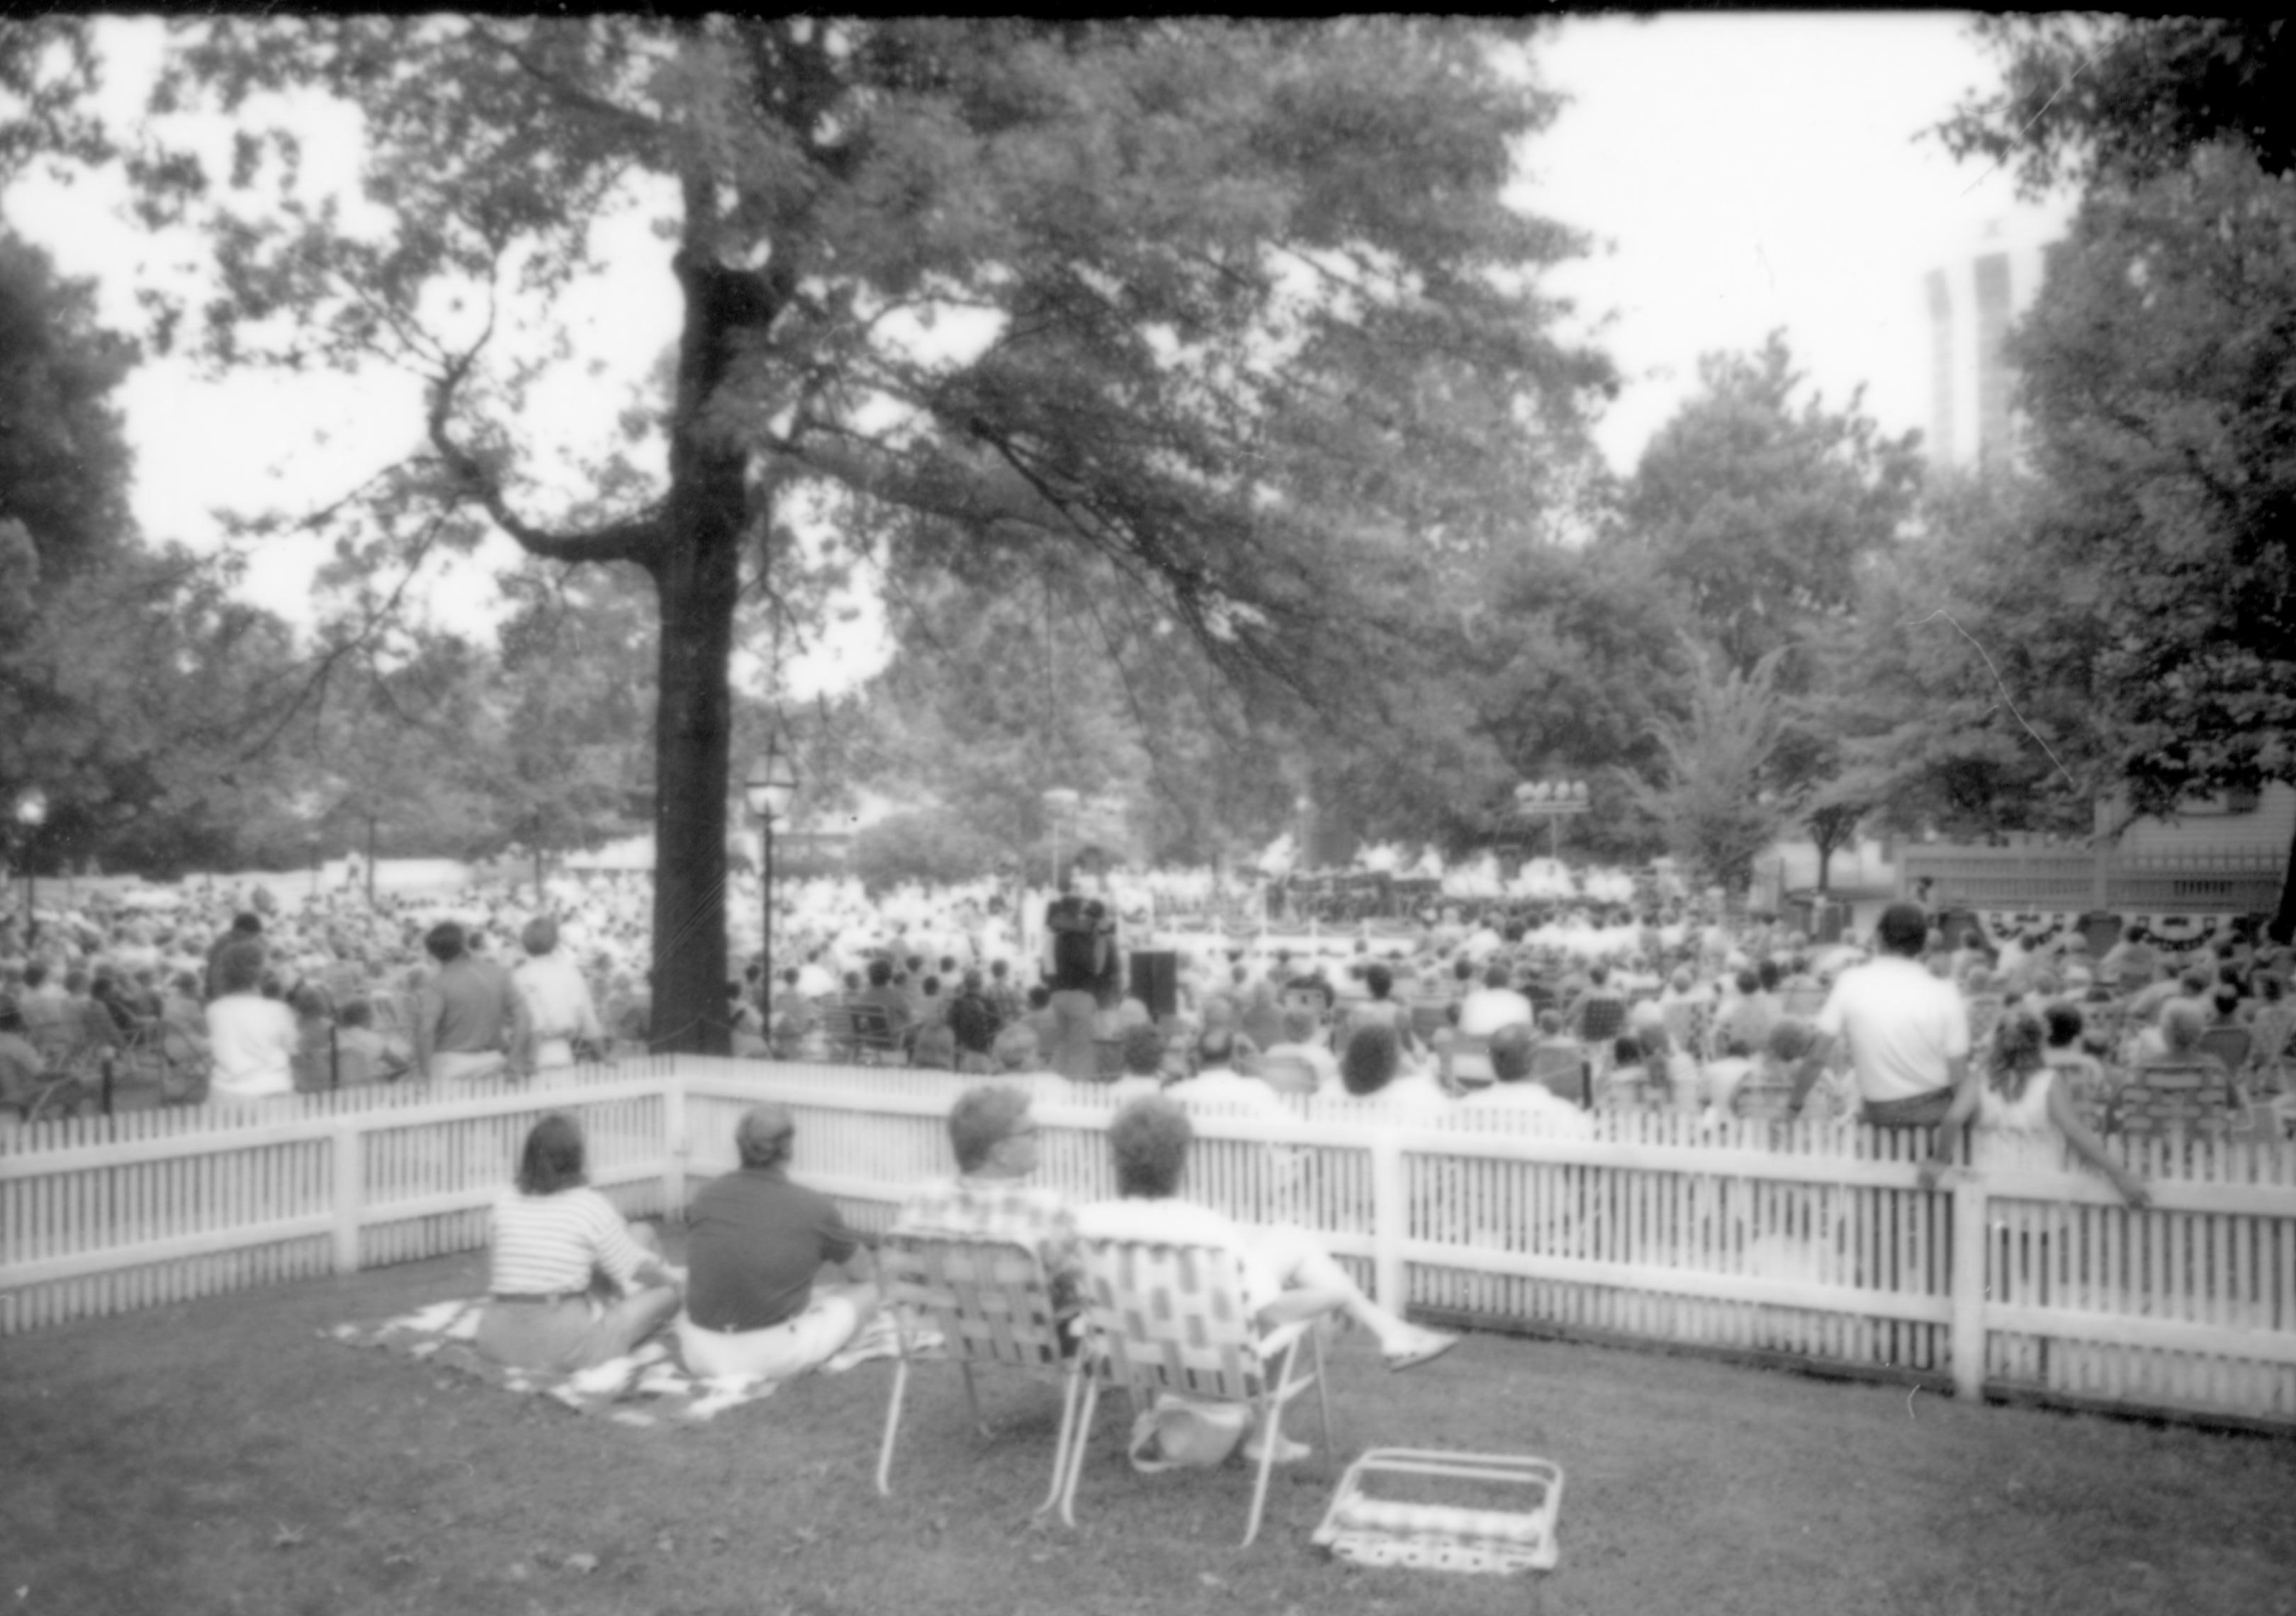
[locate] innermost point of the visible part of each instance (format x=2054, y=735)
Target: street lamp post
x=1553, y=800
x=770, y=788
x=32, y=813
x=1060, y=804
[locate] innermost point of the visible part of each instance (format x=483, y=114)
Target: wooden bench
x=861, y=1033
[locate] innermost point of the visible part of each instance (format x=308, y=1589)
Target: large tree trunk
x=2283, y=928
x=696, y=570
x=697, y=586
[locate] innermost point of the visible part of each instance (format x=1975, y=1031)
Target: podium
x=1155, y=980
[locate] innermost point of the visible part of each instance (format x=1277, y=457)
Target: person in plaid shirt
x=995, y=1141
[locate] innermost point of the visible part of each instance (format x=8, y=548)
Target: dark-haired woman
x=573, y=1285
x=1372, y=1066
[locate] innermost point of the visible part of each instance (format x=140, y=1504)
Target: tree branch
x=628, y=540
x=647, y=130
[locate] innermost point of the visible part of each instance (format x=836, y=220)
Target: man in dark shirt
x=882, y=992
x=758, y=1241
x=245, y=927
x=973, y=1019
x=470, y=1023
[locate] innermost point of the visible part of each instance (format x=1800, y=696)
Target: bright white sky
x=1741, y=172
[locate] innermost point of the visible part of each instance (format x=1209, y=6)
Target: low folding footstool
x=1368, y=1530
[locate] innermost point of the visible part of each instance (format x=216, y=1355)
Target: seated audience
x=886, y=996
x=1285, y=1275
x=2081, y=1072
x=252, y=1039
x=974, y=1024
x=1376, y=1007
x=1146, y=1054
x=1600, y=1011
x=1219, y=1086
x=1299, y=1043
x=1016, y=1049
x=1512, y=1089
x=1493, y=1005
x=1220, y=1046
x=20, y=1066
x=1371, y=1067
x=934, y=1045
x=362, y=1054
x=316, y=1067
x=994, y=1142
x=2021, y=1094
x=754, y=1304
x=570, y=1284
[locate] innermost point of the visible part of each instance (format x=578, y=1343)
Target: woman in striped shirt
x=572, y=1285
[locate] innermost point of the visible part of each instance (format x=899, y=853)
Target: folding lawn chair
x=1170, y=1318
x=992, y=1303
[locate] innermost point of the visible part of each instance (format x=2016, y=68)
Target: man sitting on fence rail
x=995, y=1140
x=758, y=1241
x=1907, y=1032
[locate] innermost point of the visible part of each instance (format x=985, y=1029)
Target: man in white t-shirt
x=559, y=1012
x=1493, y=1005
x=1907, y=1032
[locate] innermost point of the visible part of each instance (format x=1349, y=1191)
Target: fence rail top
x=289, y=1130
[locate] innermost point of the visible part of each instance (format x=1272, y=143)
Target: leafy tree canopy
x=2160, y=377
x=2125, y=99
x=1231, y=308
x=1759, y=510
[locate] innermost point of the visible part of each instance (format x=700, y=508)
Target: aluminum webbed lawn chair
x=1171, y=1318
x=992, y=1303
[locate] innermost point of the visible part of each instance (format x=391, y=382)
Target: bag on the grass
x=1183, y=1431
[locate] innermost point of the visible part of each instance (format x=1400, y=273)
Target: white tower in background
x=1973, y=299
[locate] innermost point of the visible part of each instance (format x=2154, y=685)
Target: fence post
x=675, y=1148
x=350, y=1193
x=1969, y=1286
x=1390, y=1220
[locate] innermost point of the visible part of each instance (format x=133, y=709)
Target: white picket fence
x=104, y=1214
x=1808, y=1245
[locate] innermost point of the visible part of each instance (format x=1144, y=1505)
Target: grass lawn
x=221, y=1456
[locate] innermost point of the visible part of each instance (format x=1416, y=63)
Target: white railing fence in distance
x=1811, y=1243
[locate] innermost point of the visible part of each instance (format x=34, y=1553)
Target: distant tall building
x=1973, y=300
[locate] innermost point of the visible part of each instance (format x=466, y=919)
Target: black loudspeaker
x=1156, y=981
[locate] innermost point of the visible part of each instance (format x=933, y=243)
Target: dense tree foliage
x=131, y=682
x=1233, y=308
x=2159, y=375
x=1758, y=505
x=1712, y=796
x=2084, y=99
x=1960, y=696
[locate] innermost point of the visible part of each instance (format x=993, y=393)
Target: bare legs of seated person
x=1312, y=1282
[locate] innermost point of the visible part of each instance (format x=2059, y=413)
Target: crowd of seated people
x=1716, y=1023
x=1625, y=1004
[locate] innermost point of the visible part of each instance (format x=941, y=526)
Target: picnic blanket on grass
x=649, y=1386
